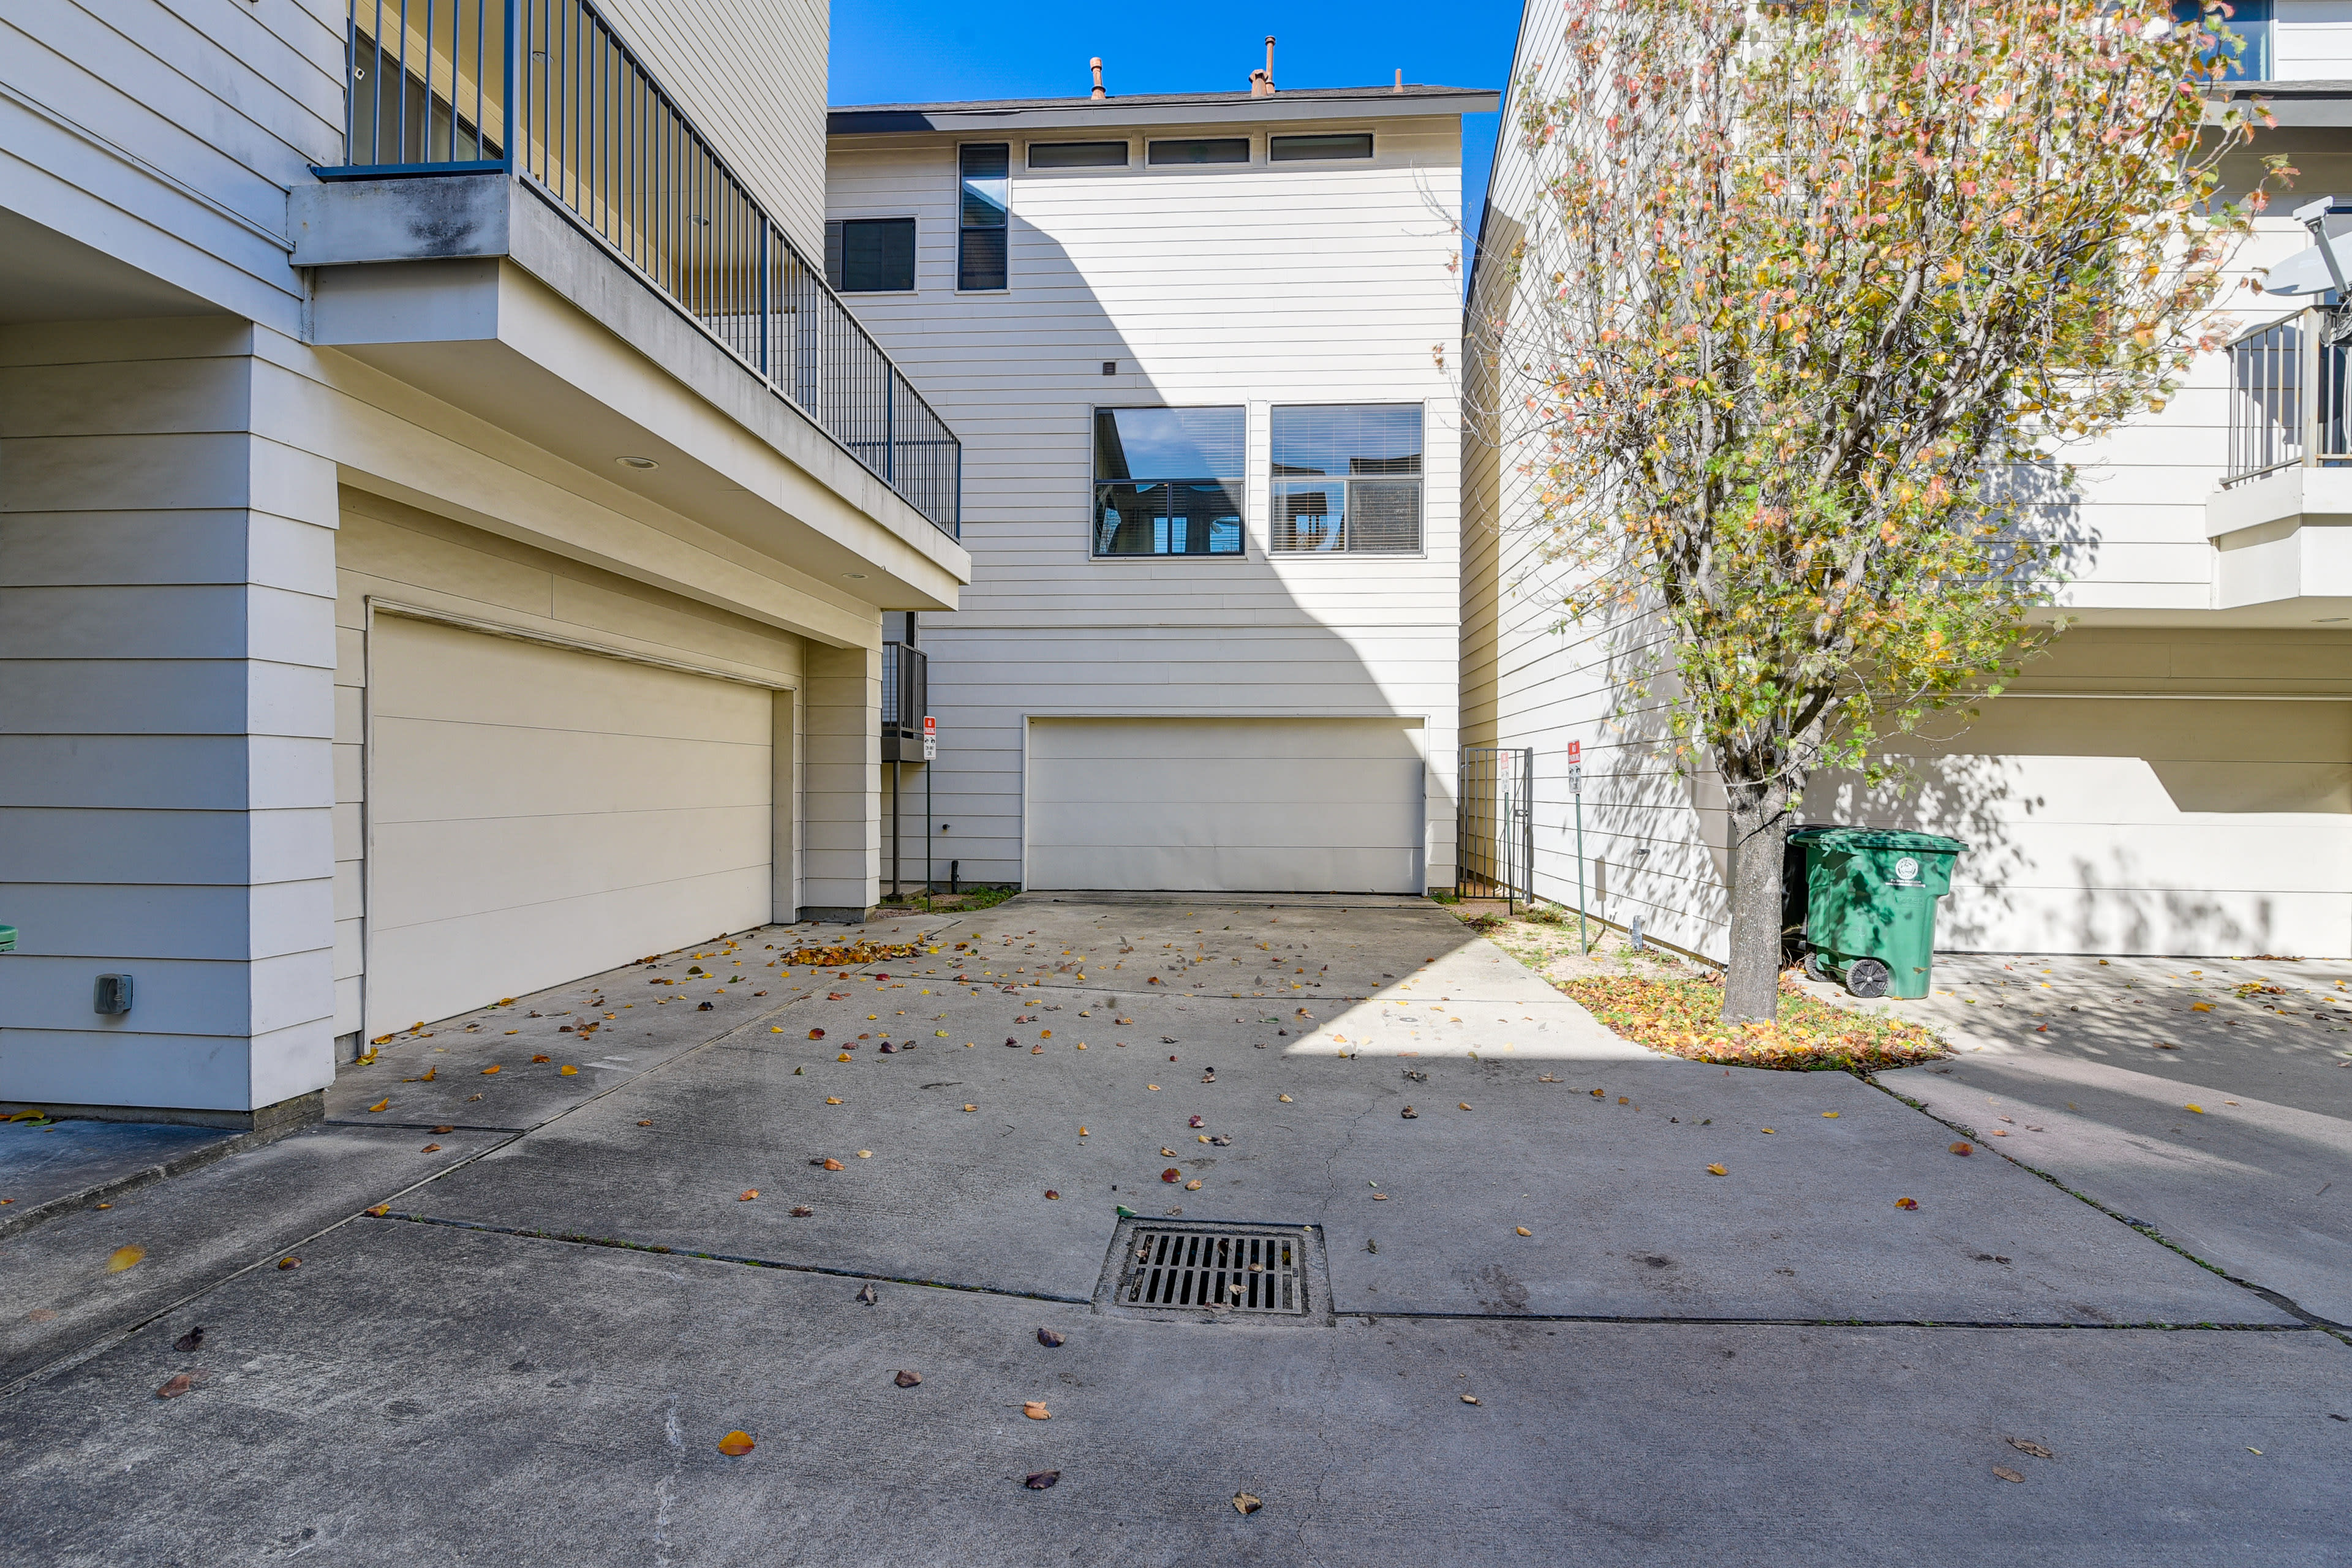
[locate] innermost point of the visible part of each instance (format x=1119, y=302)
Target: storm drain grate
x=1230, y=1268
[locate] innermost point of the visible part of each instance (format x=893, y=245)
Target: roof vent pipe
x=1262, y=81
x=1400, y=82
x=1096, y=63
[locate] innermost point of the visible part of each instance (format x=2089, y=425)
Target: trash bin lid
x=1833, y=837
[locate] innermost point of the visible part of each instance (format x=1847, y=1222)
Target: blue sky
x=917, y=51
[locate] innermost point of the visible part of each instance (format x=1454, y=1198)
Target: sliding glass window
x=1168, y=481
x=984, y=176
x=1347, y=478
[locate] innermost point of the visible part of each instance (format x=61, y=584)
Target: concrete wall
x=1236, y=285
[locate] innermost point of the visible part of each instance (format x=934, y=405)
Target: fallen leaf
x=1831, y=1114
x=866, y=1154
x=182, y=1383
x=1284, y=1098
x=816, y=1034
x=568, y=1071
x=1717, y=1171
x=2006, y=1474
x=748, y=1195
x=190, y=1339
x=290, y=1263
x=1410, y=1114
x=1052, y=1193
x=2198, y=1109
x=1152, y=1087
x=971, y=1108
x=833, y=1165
x=1244, y=1503
x=1035, y=1410
x=1194, y=1185
x=1962, y=1149
x=908, y=1379
x=1907, y=1202
x=867, y=1294
x=832, y=1099
x=542, y=1056
x=488, y=1071
x=1050, y=1337
x=445, y=1129
x=123, y=1257
x=2022, y=1446
x=1038, y=1480
x=380, y=1104
x=802, y=1211
x=644, y=1124
x=2200, y=1006
x=1525, y=1231
x=1469, y=1399
x=735, y=1445
x=430, y=1149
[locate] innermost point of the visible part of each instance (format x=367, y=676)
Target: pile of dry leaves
x=852, y=955
x=1680, y=1017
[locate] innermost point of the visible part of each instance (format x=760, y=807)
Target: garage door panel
x=537, y=813
x=1296, y=805
x=523, y=773
x=435, y=870
x=454, y=676
x=475, y=959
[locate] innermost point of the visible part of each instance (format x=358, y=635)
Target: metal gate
x=1495, y=846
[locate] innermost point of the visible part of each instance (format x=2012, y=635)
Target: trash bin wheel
x=1867, y=977
x=1816, y=969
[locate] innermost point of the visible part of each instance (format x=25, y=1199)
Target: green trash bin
x=1870, y=906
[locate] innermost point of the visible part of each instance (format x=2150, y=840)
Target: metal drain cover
x=1258, y=1270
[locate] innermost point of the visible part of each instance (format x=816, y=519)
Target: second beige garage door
x=1225, y=805
x=537, y=814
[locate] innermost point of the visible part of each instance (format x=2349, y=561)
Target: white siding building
x=1203, y=353
x=2175, y=776
x=416, y=591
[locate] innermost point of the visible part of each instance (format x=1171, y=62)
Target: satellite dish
x=2304, y=272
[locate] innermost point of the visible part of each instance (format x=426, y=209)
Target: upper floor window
x=1201, y=149
x=1348, y=478
x=869, y=254
x=1077, y=154
x=985, y=172
x=2248, y=55
x=1168, y=481
x=1299, y=148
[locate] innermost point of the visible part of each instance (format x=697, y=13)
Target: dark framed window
x=1168, y=481
x=1077, y=154
x=2248, y=55
x=984, y=201
x=1347, y=479
x=869, y=254
x=1200, y=150
x=1300, y=149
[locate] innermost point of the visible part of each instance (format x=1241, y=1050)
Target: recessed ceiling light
x=641, y=464
x=855, y=576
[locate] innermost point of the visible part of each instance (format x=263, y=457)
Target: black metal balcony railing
x=441, y=86
x=2286, y=397
x=905, y=698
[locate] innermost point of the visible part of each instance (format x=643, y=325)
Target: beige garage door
x=1225, y=805
x=536, y=815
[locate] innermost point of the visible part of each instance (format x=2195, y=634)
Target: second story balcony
x=2281, y=521
x=456, y=103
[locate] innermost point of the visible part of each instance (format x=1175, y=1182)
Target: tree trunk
x=1759, y=837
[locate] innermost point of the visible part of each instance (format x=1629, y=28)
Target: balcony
x=544, y=91
x=2281, y=522
x=905, y=698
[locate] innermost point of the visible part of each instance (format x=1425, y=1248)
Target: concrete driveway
x=533, y=1353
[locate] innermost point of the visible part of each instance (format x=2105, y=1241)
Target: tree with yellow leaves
x=1806, y=284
